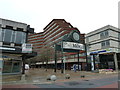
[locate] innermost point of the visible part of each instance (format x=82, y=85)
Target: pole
x=64, y=65
x=62, y=56
x=55, y=59
x=87, y=67
x=23, y=67
x=94, y=62
x=78, y=61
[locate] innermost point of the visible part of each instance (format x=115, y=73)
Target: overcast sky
x=86, y=15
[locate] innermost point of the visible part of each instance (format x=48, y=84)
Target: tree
x=45, y=54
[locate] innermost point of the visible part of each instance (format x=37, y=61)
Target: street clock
x=73, y=36
x=76, y=36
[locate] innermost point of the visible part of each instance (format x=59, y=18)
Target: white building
x=103, y=45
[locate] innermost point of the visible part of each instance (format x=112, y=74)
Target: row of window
x=10, y=36
x=49, y=25
x=51, y=31
x=54, y=36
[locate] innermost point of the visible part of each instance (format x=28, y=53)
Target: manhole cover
x=73, y=83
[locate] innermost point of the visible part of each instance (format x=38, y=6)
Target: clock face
x=76, y=36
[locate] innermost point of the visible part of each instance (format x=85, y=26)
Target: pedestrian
x=74, y=67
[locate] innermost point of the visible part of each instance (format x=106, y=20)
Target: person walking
x=74, y=67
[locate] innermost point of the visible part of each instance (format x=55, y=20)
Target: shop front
x=105, y=59
x=11, y=64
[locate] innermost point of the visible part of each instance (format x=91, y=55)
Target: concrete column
x=116, y=63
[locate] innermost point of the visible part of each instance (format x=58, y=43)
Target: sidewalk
x=39, y=76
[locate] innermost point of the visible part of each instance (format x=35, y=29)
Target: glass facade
x=11, y=36
x=20, y=37
x=7, y=35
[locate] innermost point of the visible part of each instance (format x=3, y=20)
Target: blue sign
x=96, y=52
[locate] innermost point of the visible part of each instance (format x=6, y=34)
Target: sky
x=86, y=15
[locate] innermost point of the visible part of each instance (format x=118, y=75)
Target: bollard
x=53, y=77
x=67, y=76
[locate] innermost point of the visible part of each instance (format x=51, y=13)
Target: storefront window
x=11, y=66
x=7, y=66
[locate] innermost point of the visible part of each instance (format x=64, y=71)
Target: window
x=0, y=35
x=104, y=34
x=101, y=34
x=119, y=36
x=20, y=37
x=105, y=43
x=3, y=34
x=8, y=35
x=13, y=37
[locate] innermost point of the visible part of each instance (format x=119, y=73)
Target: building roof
x=102, y=29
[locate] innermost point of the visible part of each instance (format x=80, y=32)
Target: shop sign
x=71, y=45
x=26, y=48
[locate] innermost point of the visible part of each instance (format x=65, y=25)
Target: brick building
x=52, y=34
x=36, y=40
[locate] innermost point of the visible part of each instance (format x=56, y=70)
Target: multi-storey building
x=12, y=35
x=104, y=45
x=36, y=40
x=53, y=34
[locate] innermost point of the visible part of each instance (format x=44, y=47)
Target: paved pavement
x=36, y=78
